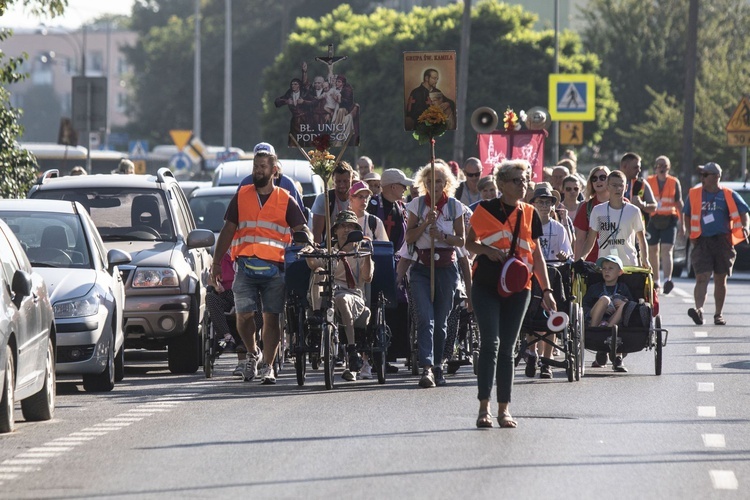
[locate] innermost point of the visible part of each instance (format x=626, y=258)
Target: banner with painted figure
x=429, y=79
x=321, y=101
x=498, y=146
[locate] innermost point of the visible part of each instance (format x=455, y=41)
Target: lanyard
x=614, y=292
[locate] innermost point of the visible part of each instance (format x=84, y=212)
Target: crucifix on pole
x=330, y=60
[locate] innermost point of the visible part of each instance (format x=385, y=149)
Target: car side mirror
x=301, y=238
x=201, y=238
x=116, y=257
x=21, y=285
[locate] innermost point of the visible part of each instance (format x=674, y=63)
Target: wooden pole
x=432, y=209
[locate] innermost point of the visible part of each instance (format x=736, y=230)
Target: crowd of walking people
x=477, y=242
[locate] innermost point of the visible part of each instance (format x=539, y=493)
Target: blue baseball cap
x=610, y=258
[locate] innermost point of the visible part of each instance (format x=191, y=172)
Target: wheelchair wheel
x=575, y=340
x=329, y=355
x=300, y=366
x=658, y=346
x=581, y=343
x=379, y=353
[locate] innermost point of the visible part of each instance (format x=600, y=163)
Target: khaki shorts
x=713, y=254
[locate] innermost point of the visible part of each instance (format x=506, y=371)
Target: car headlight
x=155, y=277
x=78, y=308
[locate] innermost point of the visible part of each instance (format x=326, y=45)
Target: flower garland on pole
x=431, y=123
x=323, y=163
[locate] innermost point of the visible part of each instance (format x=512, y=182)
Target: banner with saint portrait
x=321, y=102
x=429, y=79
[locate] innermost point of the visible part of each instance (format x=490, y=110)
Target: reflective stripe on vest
x=696, y=205
x=666, y=198
x=492, y=232
x=262, y=231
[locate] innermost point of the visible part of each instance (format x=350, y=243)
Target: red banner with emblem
x=499, y=146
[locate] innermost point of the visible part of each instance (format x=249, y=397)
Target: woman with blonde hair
x=596, y=192
x=443, y=227
x=504, y=235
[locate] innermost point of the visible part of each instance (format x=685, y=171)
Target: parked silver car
x=27, y=337
x=84, y=285
x=149, y=217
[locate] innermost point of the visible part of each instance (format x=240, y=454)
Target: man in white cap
x=718, y=221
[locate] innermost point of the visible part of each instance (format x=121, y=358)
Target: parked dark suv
x=149, y=217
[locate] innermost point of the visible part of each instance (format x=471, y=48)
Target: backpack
x=636, y=315
x=459, y=191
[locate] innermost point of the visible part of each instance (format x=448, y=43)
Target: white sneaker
x=366, y=371
x=251, y=367
x=349, y=375
x=266, y=374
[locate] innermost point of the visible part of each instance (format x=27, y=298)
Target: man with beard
x=257, y=226
x=338, y=200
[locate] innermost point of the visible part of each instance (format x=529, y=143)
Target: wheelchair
x=619, y=339
x=535, y=323
x=315, y=333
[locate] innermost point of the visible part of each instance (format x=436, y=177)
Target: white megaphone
x=557, y=322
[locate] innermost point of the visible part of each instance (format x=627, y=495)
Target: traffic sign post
x=89, y=108
x=738, y=130
x=572, y=97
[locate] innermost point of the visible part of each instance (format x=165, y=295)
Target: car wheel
x=41, y=406
x=104, y=381
x=8, y=402
x=184, y=351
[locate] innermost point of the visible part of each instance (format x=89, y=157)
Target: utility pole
x=691, y=64
x=228, y=74
x=197, y=73
x=463, y=82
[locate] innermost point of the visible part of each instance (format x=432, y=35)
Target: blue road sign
x=138, y=149
x=180, y=161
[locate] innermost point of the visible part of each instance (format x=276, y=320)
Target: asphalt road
x=683, y=434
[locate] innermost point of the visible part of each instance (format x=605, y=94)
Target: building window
x=122, y=102
x=95, y=61
x=122, y=65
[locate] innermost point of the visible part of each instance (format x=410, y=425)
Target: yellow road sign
x=140, y=166
x=572, y=97
x=180, y=137
x=738, y=139
x=571, y=133
x=740, y=121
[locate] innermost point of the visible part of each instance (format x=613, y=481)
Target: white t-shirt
x=444, y=224
x=380, y=234
x=554, y=240
x=319, y=206
x=617, y=230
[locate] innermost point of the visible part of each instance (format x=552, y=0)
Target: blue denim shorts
x=272, y=293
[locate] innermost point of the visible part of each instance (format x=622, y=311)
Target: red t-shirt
x=582, y=222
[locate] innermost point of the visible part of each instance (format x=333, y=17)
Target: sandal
x=506, y=421
x=484, y=420
x=719, y=320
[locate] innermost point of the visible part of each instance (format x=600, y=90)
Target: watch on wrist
x=547, y=290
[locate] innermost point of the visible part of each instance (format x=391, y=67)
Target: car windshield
x=209, y=211
x=50, y=239
x=122, y=214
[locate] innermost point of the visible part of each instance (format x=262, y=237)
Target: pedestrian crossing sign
x=572, y=97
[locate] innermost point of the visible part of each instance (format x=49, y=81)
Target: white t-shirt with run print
x=617, y=230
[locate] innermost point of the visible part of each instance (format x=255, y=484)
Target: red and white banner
x=499, y=146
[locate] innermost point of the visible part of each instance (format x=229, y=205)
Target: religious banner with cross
x=498, y=146
x=321, y=102
x=429, y=79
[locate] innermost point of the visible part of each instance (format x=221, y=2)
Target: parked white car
x=84, y=283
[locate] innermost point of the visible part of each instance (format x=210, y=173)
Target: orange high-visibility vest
x=491, y=231
x=262, y=231
x=696, y=204
x=666, y=198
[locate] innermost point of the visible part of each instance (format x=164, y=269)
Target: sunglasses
x=602, y=177
x=706, y=174
x=518, y=181
x=476, y=174
x=570, y=188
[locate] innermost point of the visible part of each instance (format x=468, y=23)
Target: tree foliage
x=509, y=66
x=642, y=47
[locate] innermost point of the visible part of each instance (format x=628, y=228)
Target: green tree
x=509, y=66
x=642, y=45
x=17, y=166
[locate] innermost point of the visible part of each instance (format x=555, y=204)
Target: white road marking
x=42, y=449
x=116, y=425
x=724, y=479
x=149, y=409
x=687, y=301
x=681, y=292
x=38, y=455
x=7, y=476
x=24, y=461
x=73, y=440
x=102, y=429
x=704, y=367
x=18, y=468
x=124, y=418
x=87, y=434
x=714, y=440
x=702, y=349
x=699, y=335
x=706, y=411
x=705, y=387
